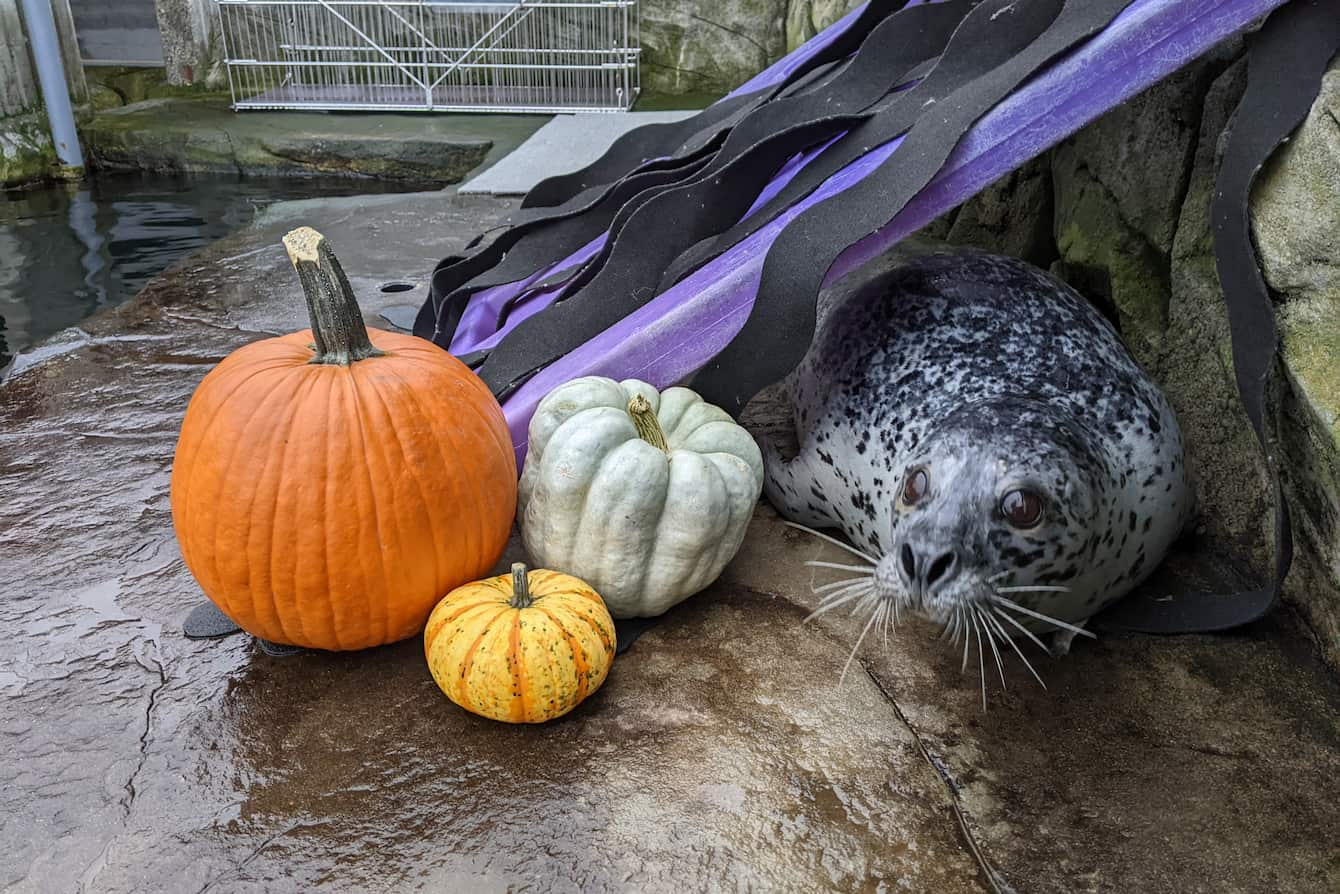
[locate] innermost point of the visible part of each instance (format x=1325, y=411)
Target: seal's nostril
x=909, y=563
x=940, y=567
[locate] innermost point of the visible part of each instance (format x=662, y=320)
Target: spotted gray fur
x=989, y=374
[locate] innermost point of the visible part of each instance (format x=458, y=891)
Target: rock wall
x=1296, y=223
x=713, y=46
x=1122, y=212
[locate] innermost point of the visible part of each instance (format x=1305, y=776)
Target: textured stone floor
x=724, y=753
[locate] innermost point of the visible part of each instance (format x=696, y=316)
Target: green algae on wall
x=26, y=152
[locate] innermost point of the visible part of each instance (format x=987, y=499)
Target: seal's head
x=1004, y=498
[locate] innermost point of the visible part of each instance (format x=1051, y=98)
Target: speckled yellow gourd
x=524, y=647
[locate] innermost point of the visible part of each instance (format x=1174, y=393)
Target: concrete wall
x=121, y=32
x=69, y=50
x=18, y=81
x=185, y=26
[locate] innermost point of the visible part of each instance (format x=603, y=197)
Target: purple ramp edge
x=680, y=330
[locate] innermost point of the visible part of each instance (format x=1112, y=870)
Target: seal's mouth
x=987, y=613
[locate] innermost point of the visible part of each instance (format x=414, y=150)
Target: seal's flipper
x=1062, y=639
x=791, y=489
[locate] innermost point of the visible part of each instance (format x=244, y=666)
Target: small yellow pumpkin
x=520, y=648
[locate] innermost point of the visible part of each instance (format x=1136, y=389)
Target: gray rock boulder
x=1296, y=205
x=1296, y=222
x=713, y=46
x=709, y=46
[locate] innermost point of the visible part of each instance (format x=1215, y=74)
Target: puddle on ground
x=72, y=250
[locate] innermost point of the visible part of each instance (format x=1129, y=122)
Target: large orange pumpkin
x=331, y=485
x=521, y=648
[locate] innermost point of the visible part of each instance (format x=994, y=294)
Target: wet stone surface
x=722, y=753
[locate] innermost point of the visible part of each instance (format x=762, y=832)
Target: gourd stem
x=647, y=425
x=520, y=587
x=337, y=324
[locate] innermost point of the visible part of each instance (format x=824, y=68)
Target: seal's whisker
x=1033, y=589
x=967, y=640
x=851, y=583
x=997, y=576
x=860, y=569
x=836, y=600
x=855, y=591
x=991, y=640
x=839, y=584
x=1041, y=617
x=981, y=656
x=1009, y=639
x=852, y=656
x=868, y=600
x=1026, y=632
x=833, y=540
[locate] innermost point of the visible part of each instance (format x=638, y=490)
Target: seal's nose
x=923, y=577
x=942, y=569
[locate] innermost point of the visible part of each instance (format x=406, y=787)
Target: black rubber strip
x=206, y=622
x=627, y=631
x=759, y=145
x=781, y=323
x=657, y=140
x=1286, y=61
x=635, y=147
x=533, y=241
x=643, y=242
x=885, y=125
x=589, y=212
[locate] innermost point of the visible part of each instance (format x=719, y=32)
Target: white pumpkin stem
x=337, y=324
x=521, y=597
x=647, y=425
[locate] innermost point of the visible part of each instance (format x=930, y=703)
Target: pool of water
x=67, y=251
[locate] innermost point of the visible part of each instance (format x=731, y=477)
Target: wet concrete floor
x=723, y=754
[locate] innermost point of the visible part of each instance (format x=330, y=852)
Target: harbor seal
x=979, y=432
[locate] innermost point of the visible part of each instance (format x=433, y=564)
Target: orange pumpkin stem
x=337, y=324
x=647, y=425
x=520, y=587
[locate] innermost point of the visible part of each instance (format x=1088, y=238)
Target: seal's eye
x=915, y=486
x=1021, y=508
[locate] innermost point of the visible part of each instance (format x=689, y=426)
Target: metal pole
x=51, y=74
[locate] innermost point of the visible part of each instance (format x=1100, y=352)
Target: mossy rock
x=101, y=98
x=135, y=85
x=26, y=152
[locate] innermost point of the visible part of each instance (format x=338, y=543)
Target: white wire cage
x=428, y=55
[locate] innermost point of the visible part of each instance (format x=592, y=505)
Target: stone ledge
x=206, y=136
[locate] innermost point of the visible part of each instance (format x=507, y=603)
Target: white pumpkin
x=645, y=496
